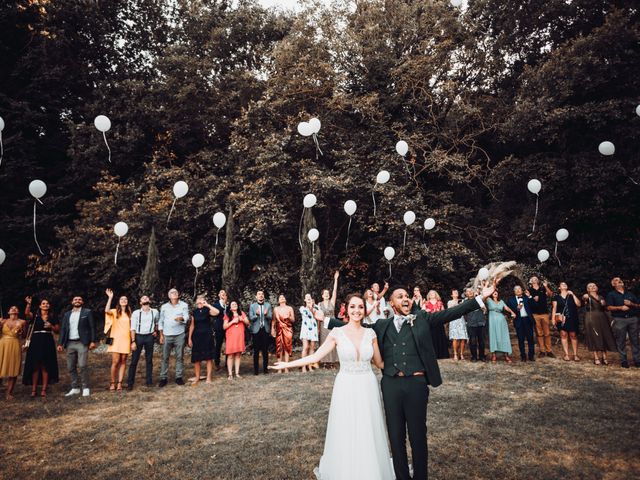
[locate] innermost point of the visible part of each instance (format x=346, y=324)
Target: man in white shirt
x=174, y=316
x=143, y=333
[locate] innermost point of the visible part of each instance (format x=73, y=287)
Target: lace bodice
x=348, y=353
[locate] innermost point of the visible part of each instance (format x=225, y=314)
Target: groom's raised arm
x=335, y=323
x=450, y=314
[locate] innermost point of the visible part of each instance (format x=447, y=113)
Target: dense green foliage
x=211, y=92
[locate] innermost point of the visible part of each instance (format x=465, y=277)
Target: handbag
x=108, y=339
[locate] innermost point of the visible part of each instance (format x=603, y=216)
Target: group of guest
x=529, y=310
x=208, y=326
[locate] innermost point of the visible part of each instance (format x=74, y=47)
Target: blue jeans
x=171, y=342
x=623, y=327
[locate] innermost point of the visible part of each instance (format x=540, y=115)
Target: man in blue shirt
x=623, y=306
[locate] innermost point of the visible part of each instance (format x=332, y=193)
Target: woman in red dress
x=282, y=330
x=234, y=325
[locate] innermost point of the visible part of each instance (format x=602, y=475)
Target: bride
x=356, y=443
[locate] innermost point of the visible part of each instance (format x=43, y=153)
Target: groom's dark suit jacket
x=421, y=333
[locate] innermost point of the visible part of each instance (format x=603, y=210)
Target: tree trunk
x=231, y=262
x=310, y=256
x=150, y=276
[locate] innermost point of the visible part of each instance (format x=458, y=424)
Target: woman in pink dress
x=234, y=325
x=438, y=335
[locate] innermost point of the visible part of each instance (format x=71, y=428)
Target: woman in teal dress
x=499, y=340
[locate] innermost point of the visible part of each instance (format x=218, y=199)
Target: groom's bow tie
x=399, y=320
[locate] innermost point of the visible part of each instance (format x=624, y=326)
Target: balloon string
x=300, y=228
x=315, y=139
x=404, y=242
x=171, y=211
x=35, y=237
x=195, y=279
x=374, y=200
x=313, y=254
x=346, y=247
x=215, y=248
x=555, y=254
x=389, y=272
x=104, y=135
x=115, y=258
x=535, y=217
x=1, y=149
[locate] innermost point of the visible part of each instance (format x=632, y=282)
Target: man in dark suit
x=260, y=314
x=410, y=366
x=77, y=337
x=218, y=321
x=524, y=321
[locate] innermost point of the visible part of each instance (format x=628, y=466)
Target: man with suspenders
x=144, y=323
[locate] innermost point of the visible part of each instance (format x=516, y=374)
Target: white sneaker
x=72, y=392
x=86, y=392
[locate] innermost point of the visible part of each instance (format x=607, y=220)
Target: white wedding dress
x=356, y=446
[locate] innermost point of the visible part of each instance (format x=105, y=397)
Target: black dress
x=567, y=307
x=202, y=337
x=42, y=349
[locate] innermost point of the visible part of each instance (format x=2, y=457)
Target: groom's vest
x=400, y=353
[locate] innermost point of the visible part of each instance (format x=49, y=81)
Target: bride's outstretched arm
x=377, y=358
x=326, y=347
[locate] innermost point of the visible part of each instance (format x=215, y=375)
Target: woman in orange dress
x=118, y=320
x=234, y=325
x=282, y=329
x=10, y=353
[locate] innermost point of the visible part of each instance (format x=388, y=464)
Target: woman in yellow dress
x=117, y=321
x=10, y=353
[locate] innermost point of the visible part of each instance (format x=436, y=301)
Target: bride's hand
x=278, y=366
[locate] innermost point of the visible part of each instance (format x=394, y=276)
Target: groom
x=410, y=366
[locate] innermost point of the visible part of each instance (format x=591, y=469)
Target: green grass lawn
x=547, y=420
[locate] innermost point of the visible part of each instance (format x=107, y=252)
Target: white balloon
x=456, y=3
x=534, y=186
x=309, y=200
x=389, y=253
x=607, y=148
x=180, y=189
x=402, y=148
x=383, y=176
x=313, y=235
x=429, y=223
x=637, y=112
x=37, y=188
x=305, y=129
x=409, y=217
x=3, y=256
x=219, y=219
x=350, y=207
x=315, y=125
x=197, y=260
x=543, y=255
x=2, y=124
x=121, y=229
x=483, y=273
x=102, y=123
x=562, y=234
